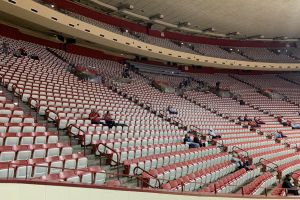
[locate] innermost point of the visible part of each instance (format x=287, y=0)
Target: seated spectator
x=94, y=117
x=187, y=140
x=17, y=54
x=258, y=120
x=34, y=57
x=172, y=110
x=246, y=119
x=242, y=102
x=23, y=52
x=125, y=73
x=278, y=135
x=246, y=164
x=212, y=133
x=242, y=162
x=253, y=124
x=291, y=189
x=107, y=117
x=5, y=48
x=241, y=118
x=295, y=125
x=283, y=121
x=198, y=141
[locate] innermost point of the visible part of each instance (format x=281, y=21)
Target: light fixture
x=157, y=16
x=125, y=7
x=233, y=33
x=184, y=24
x=256, y=37
x=52, y=6
x=211, y=29
x=280, y=38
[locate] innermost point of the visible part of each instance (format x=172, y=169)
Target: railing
x=236, y=147
x=28, y=178
x=48, y=167
x=114, y=151
x=36, y=107
x=141, y=178
x=47, y=112
x=70, y=134
x=276, y=166
x=14, y=87
x=220, y=142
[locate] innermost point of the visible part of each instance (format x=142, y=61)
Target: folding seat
x=7, y=154
x=38, y=151
x=14, y=128
x=166, y=160
x=22, y=169
x=137, y=153
x=23, y=152
x=52, y=150
x=99, y=174
x=86, y=177
x=11, y=140
x=6, y=171
x=39, y=169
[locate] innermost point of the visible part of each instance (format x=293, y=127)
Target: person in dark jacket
x=198, y=141
x=187, y=140
x=289, y=186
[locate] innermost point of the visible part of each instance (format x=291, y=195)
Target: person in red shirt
x=94, y=117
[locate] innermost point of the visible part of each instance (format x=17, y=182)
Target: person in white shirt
x=172, y=110
x=212, y=133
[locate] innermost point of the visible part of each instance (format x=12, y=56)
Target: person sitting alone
x=278, y=135
x=291, y=189
x=23, y=52
x=283, y=121
x=5, y=48
x=94, y=117
x=213, y=134
x=241, y=118
x=187, y=140
x=172, y=110
x=258, y=121
x=125, y=73
x=295, y=125
x=17, y=53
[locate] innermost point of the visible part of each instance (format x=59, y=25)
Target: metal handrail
x=14, y=87
x=139, y=168
x=36, y=107
x=114, y=151
x=276, y=166
x=48, y=166
x=239, y=149
x=69, y=132
x=47, y=111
